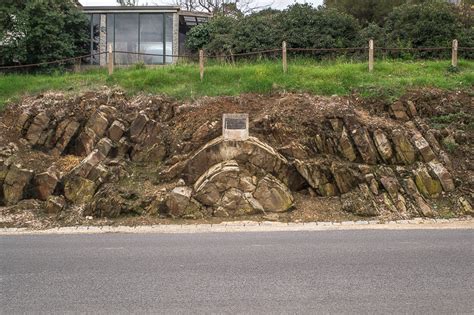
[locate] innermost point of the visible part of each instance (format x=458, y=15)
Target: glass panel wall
x=110, y=32
x=95, y=38
x=151, y=37
x=169, y=37
x=150, y=33
x=126, y=37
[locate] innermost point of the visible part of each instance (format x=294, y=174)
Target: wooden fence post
x=371, y=55
x=454, y=54
x=201, y=64
x=111, y=60
x=283, y=57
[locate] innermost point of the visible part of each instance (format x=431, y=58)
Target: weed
x=450, y=145
x=390, y=79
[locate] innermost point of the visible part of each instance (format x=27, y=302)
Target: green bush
x=307, y=27
x=258, y=31
x=431, y=24
x=215, y=37
x=40, y=31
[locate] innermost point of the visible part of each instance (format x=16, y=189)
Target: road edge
x=254, y=226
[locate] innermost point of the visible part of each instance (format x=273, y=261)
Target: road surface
x=371, y=271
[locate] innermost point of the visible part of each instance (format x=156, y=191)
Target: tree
x=258, y=31
x=128, y=3
x=42, y=31
x=432, y=24
x=215, y=36
x=366, y=11
x=304, y=26
x=220, y=7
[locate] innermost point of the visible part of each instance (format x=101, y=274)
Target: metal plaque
x=235, y=126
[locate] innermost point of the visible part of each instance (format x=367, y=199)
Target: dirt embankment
x=149, y=159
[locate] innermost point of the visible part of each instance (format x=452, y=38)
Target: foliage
x=401, y=24
x=389, y=79
x=257, y=31
x=215, y=36
x=42, y=31
x=307, y=27
x=366, y=11
x=128, y=3
x=372, y=31
x=301, y=25
x=432, y=24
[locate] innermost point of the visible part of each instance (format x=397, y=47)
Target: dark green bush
x=431, y=24
x=41, y=31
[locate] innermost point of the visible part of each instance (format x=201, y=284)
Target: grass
x=389, y=79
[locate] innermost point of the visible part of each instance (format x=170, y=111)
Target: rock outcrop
x=112, y=156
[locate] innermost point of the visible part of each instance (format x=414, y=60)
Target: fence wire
x=274, y=53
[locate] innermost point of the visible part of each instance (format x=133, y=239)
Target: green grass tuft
x=390, y=79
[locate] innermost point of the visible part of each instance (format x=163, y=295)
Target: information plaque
x=235, y=126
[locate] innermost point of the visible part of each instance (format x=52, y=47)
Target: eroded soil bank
x=149, y=159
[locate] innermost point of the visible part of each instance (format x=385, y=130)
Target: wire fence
x=359, y=53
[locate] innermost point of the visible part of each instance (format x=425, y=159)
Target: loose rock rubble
x=112, y=156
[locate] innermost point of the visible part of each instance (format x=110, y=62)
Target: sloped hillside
x=101, y=156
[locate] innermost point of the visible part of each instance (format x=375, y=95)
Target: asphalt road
x=429, y=271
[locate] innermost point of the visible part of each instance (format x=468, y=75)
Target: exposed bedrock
x=113, y=156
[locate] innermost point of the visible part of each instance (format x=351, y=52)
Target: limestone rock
x=383, y=145
x=98, y=173
x=65, y=135
x=98, y=123
x=109, y=112
x=316, y=177
x=364, y=145
x=150, y=145
x=104, y=145
x=443, y=175
x=44, y=184
x=180, y=204
x=123, y=147
x=39, y=124
x=85, y=142
x=78, y=190
x=116, y=130
x=403, y=147
x=412, y=109
x=344, y=177
x=251, y=151
x=357, y=203
x=86, y=165
x=3, y=174
x=111, y=201
x=423, y=147
x=219, y=178
x=399, y=110
x=138, y=125
x=273, y=195
x=422, y=206
x=466, y=206
x=23, y=122
x=234, y=202
x=391, y=185
x=428, y=186
x=347, y=149
x=55, y=204
x=16, y=184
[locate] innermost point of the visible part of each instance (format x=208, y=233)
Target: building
x=159, y=31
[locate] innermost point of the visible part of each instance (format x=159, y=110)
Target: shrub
x=258, y=31
x=215, y=36
x=304, y=26
x=431, y=24
x=43, y=31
